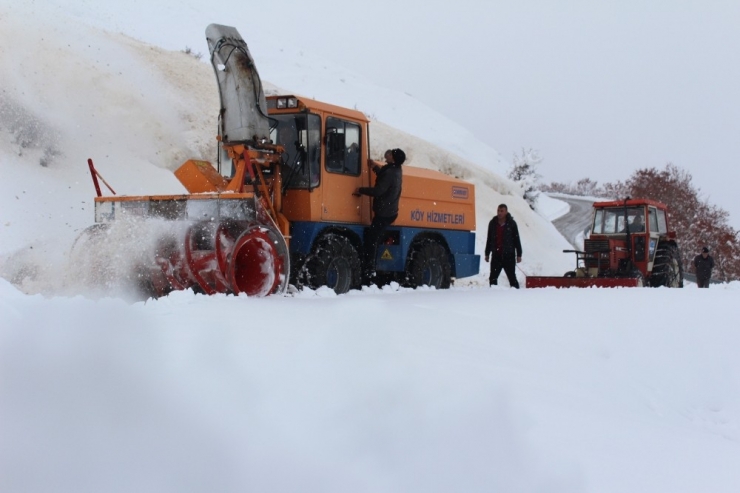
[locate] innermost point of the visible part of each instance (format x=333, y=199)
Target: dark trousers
x=372, y=235
x=508, y=264
x=702, y=282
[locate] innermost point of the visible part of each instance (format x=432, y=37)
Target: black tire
x=570, y=273
x=333, y=262
x=667, y=267
x=429, y=265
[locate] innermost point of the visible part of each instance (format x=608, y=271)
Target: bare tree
x=697, y=223
x=524, y=172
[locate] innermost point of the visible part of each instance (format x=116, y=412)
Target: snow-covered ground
x=468, y=389
x=395, y=391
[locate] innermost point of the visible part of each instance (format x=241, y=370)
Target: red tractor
x=630, y=245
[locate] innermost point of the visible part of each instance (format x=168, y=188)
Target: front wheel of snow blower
x=333, y=262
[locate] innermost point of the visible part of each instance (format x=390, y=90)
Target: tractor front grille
x=597, y=254
x=595, y=246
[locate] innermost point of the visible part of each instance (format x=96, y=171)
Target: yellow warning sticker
x=386, y=255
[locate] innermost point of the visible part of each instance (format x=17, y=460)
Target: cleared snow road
x=573, y=224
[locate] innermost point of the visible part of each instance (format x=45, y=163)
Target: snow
x=384, y=390
x=467, y=389
x=578, y=197
x=550, y=207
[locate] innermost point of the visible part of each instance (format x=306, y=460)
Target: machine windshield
x=612, y=220
x=301, y=136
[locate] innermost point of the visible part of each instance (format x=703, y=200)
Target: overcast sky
x=600, y=88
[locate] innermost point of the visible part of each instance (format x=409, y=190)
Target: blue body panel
x=461, y=245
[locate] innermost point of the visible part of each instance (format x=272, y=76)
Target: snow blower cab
x=629, y=246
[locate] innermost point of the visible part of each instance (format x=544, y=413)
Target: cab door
x=343, y=171
x=657, y=227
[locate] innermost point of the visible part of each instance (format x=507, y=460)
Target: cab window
x=300, y=137
x=598, y=222
x=612, y=220
x=654, y=225
x=342, y=146
x=662, y=224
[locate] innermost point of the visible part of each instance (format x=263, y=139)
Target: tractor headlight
x=282, y=103
x=292, y=103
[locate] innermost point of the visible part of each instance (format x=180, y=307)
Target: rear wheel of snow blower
x=429, y=265
x=667, y=269
x=334, y=262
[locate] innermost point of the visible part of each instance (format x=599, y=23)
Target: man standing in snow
x=386, y=193
x=504, y=244
x=703, y=264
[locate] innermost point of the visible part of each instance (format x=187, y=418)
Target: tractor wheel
x=334, y=262
x=429, y=265
x=667, y=268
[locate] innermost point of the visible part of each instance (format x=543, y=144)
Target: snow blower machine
x=279, y=206
x=630, y=246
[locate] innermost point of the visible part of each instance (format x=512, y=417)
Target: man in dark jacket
x=703, y=264
x=504, y=245
x=386, y=194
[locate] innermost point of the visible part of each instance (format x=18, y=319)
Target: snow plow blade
x=583, y=282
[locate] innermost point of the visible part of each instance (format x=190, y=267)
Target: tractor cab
x=647, y=218
x=624, y=237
